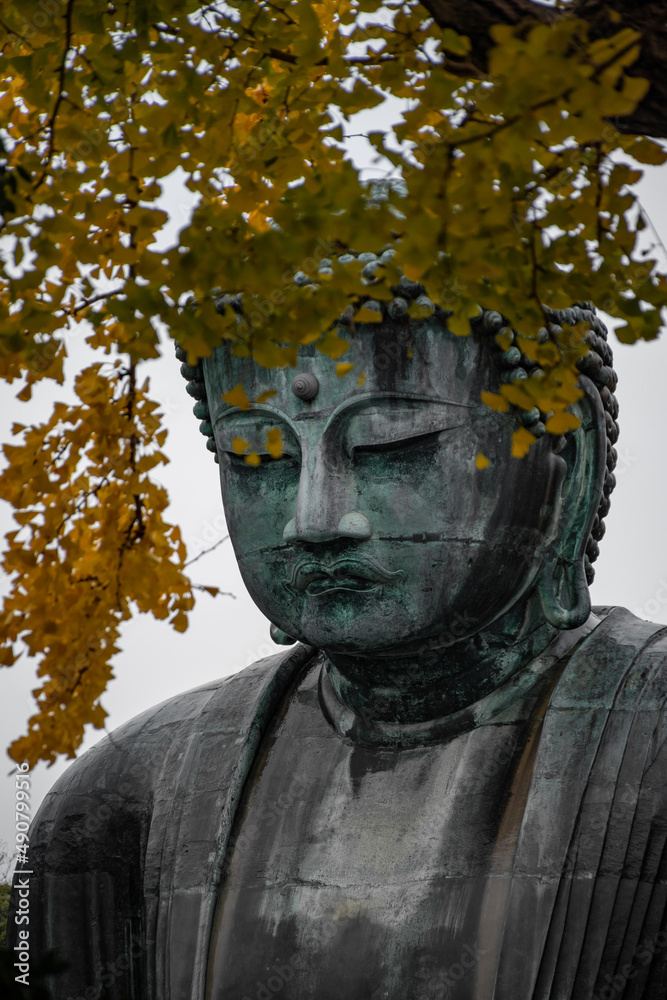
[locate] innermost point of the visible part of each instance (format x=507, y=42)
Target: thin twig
x=646, y=218
x=61, y=90
x=11, y=31
x=87, y=302
x=206, y=551
x=220, y=593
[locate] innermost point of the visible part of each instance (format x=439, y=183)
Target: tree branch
x=475, y=18
x=206, y=551
x=74, y=309
x=219, y=593
x=61, y=92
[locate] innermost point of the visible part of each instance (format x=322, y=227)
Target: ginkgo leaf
x=343, y=368
x=240, y=445
x=561, y=423
x=179, y=622
x=521, y=442
x=495, y=402
x=237, y=397
x=366, y=315
x=459, y=324
x=274, y=442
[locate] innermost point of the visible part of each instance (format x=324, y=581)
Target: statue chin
x=350, y=631
x=433, y=602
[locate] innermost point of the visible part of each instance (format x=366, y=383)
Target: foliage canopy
x=516, y=197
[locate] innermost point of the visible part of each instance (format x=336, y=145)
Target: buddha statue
x=451, y=782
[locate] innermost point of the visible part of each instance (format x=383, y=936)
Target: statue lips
x=315, y=577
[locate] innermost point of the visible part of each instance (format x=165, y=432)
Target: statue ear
x=562, y=584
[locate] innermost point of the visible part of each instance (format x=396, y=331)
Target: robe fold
x=128, y=849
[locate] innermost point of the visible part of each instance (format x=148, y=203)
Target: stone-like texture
x=582, y=887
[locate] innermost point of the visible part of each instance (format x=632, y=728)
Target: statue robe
x=132, y=847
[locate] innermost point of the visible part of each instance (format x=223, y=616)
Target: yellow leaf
x=179, y=622
x=414, y=270
x=343, y=367
x=634, y=88
x=516, y=394
x=453, y=42
x=562, y=422
x=420, y=312
x=239, y=445
x=459, y=325
x=263, y=396
x=237, y=397
x=365, y=315
x=270, y=355
x=257, y=219
x=252, y=459
x=261, y=94
x=521, y=442
x=528, y=347
x=647, y=151
x=246, y=123
x=504, y=340
x=361, y=379
x=482, y=461
x=495, y=402
x=274, y=442
x=333, y=346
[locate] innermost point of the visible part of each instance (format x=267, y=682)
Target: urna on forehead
x=411, y=357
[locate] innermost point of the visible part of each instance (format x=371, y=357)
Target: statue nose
x=351, y=525
x=326, y=497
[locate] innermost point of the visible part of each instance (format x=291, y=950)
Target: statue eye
x=402, y=445
x=253, y=444
x=259, y=459
x=398, y=426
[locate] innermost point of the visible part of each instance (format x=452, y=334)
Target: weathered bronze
x=453, y=786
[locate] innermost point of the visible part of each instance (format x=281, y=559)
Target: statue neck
x=426, y=695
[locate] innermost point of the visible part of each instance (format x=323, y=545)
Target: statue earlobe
x=566, y=603
x=279, y=637
x=562, y=585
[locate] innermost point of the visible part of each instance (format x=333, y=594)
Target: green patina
x=373, y=533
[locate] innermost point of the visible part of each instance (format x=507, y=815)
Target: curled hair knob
x=305, y=386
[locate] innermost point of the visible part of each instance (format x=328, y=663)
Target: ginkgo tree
x=516, y=195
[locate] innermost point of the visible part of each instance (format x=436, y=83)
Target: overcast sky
x=226, y=634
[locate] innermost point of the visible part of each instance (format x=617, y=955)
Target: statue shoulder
x=644, y=643
x=626, y=659
x=105, y=827
x=622, y=635
x=620, y=666
x=124, y=772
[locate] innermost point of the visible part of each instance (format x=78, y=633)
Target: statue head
x=360, y=511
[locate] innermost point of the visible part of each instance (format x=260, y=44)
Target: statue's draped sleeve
x=127, y=848
x=588, y=895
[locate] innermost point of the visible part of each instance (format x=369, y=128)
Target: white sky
x=225, y=634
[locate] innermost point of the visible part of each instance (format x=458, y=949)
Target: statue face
x=375, y=531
